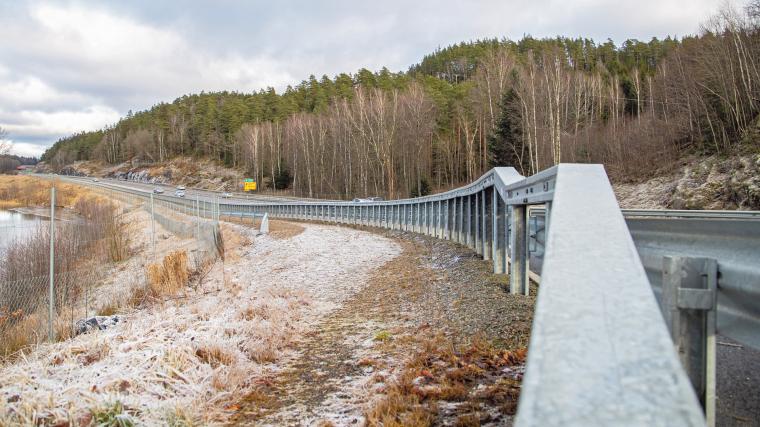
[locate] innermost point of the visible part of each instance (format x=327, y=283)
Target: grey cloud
x=166, y=49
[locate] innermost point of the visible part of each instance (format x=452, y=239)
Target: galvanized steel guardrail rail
x=600, y=352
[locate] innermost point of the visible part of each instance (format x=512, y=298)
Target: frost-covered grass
x=188, y=359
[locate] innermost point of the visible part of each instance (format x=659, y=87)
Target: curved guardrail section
x=600, y=352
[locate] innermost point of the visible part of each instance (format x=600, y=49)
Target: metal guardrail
x=600, y=352
x=734, y=244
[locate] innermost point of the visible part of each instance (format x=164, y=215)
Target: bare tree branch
x=5, y=145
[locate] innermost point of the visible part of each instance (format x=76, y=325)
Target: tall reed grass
x=82, y=249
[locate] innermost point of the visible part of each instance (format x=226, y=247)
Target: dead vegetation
x=24, y=191
x=282, y=230
x=234, y=242
x=416, y=317
x=278, y=229
x=469, y=379
x=169, y=277
x=83, y=248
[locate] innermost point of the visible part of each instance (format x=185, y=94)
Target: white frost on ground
x=190, y=357
x=329, y=263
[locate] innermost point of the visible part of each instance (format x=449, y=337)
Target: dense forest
x=463, y=109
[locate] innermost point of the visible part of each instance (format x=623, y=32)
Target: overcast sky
x=66, y=67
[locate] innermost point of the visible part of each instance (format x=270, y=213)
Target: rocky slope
x=698, y=183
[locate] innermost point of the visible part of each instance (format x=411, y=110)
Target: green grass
x=112, y=415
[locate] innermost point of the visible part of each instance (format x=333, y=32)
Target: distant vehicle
x=375, y=199
x=158, y=190
x=226, y=195
x=181, y=188
x=179, y=193
x=95, y=180
x=368, y=200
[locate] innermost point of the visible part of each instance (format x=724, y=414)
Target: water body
x=14, y=225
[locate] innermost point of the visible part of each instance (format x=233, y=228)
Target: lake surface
x=14, y=226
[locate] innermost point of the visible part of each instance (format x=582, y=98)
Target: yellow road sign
x=249, y=186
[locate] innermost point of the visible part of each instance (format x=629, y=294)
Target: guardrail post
x=452, y=212
x=484, y=246
x=428, y=216
x=478, y=236
x=426, y=224
x=499, y=246
x=431, y=220
x=415, y=217
x=438, y=217
x=518, y=272
x=689, y=300
x=451, y=221
x=447, y=220
x=459, y=212
x=466, y=221
x=405, y=220
x=421, y=217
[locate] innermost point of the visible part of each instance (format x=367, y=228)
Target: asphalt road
x=738, y=384
x=190, y=193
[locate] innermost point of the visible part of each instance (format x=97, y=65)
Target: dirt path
x=434, y=292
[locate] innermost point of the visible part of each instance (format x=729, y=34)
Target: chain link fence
x=48, y=291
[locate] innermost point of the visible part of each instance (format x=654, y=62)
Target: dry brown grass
x=278, y=229
x=19, y=331
x=82, y=250
x=22, y=191
x=169, y=277
x=283, y=230
x=214, y=355
x=442, y=372
x=234, y=242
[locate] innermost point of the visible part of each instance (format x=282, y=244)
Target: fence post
x=152, y=227
x=51, y=302
x=689, y=299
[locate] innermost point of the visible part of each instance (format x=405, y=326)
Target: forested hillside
x=463, y=109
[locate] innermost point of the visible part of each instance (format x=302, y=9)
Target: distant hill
x=462, y=109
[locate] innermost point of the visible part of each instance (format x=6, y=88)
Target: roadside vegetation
x=18, y=191
x=93, y=237
x=468, y=379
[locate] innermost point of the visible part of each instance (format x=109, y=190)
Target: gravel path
x=433, y=287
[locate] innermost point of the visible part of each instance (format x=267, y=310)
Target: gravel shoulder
x=433, y=291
